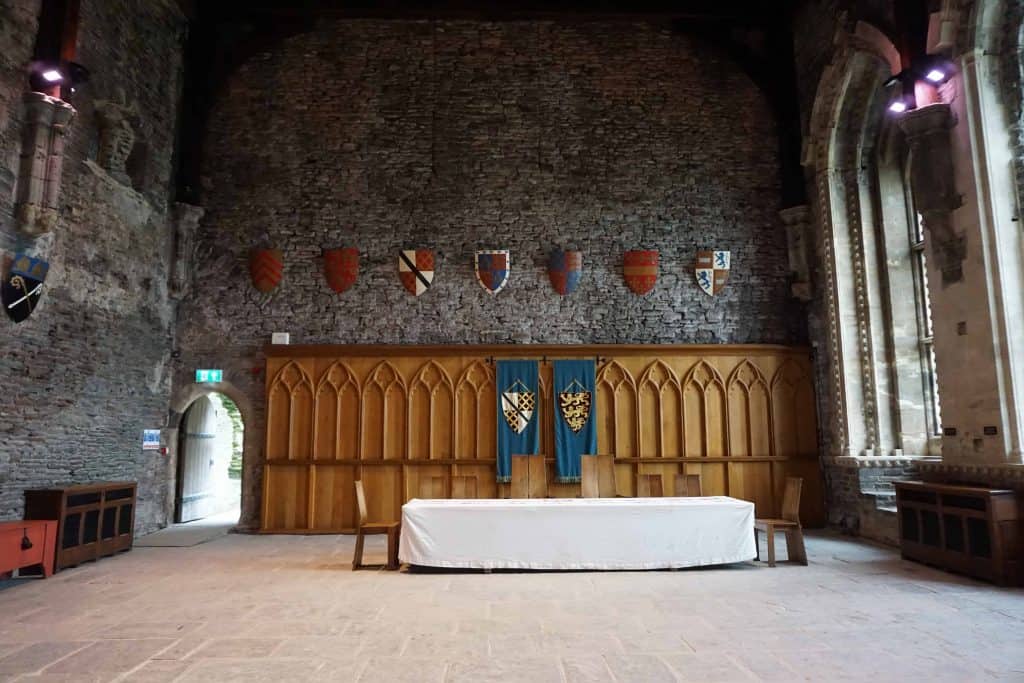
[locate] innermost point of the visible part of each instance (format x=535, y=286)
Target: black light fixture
x=931, y=69
x=45, y=76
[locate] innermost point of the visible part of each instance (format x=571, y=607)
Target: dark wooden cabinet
x=94, y=520
x=966, y=529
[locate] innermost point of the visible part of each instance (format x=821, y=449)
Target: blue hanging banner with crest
x=575, y=416
x=518, y=423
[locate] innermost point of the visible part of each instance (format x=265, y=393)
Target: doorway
x=209, y=481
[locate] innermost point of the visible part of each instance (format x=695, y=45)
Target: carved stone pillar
x=42, y=162
x=185, y=222
x=932, y=180
x=797, y=222
x=117, y=136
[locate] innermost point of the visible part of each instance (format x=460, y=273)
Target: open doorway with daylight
x=209, y=460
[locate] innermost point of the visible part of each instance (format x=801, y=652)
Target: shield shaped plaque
x=565, y=268
x=341, y=266
x=23, y=286
x=266, y=267
x=492, y=269
x=712, y=270
x=640, y=268
x=416, y=270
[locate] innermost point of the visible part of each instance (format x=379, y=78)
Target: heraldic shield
x=565, y=268
x=416, y=270
x=492, y=269
x=341, y=266
x=266, y=267
x=640, y=269
x=23, y=286
x=712, y=270
x=517, y=405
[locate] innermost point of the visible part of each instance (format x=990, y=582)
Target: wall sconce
x=930, y=71
x=67, y=76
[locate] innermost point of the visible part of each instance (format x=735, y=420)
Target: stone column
x=42, y=162
x=185, y=223
x=932, y=180
x=796, y=219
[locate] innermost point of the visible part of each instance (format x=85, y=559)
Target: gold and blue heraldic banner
x=518, y=422
x=575, y=403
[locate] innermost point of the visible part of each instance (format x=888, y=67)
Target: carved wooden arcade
x=743, y=417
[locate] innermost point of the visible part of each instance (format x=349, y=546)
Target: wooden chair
x=597, y=476
x=789, y=524
x=649, y=486
x=687, y=485
x=367, y=528
x=590, y=479
x=463, y=486
x=529, y=477
x=431, y=487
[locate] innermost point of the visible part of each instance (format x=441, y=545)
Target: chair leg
x=357, y=556
x=757, y=546
x=771, y=545
x=393, y=548
x=795, y=545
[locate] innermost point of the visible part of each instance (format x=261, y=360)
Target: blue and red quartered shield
x=565, y=268
x=492, y=269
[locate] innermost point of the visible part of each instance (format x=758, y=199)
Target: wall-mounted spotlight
x=929, y=71
x=65, y=76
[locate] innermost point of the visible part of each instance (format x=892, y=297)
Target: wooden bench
x=28, y=543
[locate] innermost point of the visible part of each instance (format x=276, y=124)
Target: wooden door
x=199, y=480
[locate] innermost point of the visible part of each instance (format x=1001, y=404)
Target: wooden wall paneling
x=287, y=490
x=394, y=415
x=519, y=486
x=538, y=475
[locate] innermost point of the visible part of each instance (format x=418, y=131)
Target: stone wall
x=89, y=370
x=459, y=136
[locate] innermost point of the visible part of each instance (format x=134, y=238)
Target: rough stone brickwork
x=89, y=370
x=459, y=136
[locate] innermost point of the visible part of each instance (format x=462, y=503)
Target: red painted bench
x=42, y=539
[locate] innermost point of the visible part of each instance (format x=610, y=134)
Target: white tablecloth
x=577, y=533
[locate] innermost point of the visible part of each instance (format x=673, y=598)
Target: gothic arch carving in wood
x=431, y=422
x=475, y=409
x=384, y=414
x=617, y=410
x=660, y=405
x=336, y=414
x=750, y=414
x=290, y=414
x=704, y=411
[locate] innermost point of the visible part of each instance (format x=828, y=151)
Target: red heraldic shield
x=341, y=266
x=416, y=270
x=265, y=267
x=640, y=269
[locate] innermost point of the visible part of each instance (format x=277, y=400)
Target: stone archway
x=180, y=402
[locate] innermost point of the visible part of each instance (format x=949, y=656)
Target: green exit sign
x=209, y=375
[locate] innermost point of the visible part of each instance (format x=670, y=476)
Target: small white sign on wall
x=279, y=338
x=150, y=439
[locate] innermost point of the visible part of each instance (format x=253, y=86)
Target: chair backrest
x=529, y=477
x=361, y=502
x=590, y=480
x=791, y=499
x=538, y=476
x=648, y=486
x=463, y=486
x=688, y=485
x=519, y=486
x=431, y=487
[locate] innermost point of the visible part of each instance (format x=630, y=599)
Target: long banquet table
x=577, y=533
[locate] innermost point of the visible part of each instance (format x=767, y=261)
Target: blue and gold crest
x=492, y=269
x=23, y=286
x=565, y=268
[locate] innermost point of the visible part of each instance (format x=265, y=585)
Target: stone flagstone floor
x=288, y=608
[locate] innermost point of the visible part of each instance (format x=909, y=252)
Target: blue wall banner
x=575, y=403
x=518, y=422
